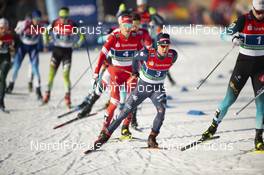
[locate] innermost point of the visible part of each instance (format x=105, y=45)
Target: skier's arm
x=81, y=37
x=175, y=55
x=20, y=27
x=233, y=29
x=103, y=54
x=45, y=34
x=140, y=56
x=147, y=39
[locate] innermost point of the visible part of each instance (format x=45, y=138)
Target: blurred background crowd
x=209, y=12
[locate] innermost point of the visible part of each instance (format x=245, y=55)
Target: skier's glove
x=237, y=41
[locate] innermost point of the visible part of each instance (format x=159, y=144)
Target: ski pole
x=202, y=82
x=253, y=99
x=89, y=58
x=86, y=70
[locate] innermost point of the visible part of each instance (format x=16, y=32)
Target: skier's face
x=163, y=49
x=125, y=29
x=259, y=14
x=3, y=30
x=142, y=8
x=35, y=21
x=136, y=25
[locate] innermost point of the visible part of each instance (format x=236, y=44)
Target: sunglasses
x=127, y=25
x=259, y=12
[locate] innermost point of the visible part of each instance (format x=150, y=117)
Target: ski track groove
x=69, y=167
x=42, y=169
x=49, y=137
x=5, y=159
x=66, y=154
x=65, y=137
x=13, y=172
x=29, y=160
x=169, y=160
x=147, y=163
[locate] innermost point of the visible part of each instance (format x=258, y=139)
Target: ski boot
x=125, y=133
x=102, y=139
x=210, y=131
x=152, y=143
x=67, y=99
x=259, y=145
x=46, y=97
x=2, y=107
x=90, y=102
x=39, y=94
x=84, y=102
x=10, y=87
x=30, y=86
x=212, y=128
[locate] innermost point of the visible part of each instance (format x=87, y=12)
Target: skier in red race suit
x=152, y=74
x=122, y=44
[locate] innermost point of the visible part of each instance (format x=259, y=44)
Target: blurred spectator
x=220, y=12
x=196, y=13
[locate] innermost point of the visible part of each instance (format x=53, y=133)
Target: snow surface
x=29, y=145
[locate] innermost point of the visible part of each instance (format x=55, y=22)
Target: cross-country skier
x=250, y=63
x=122, y=45
x=149, y=20
x=64, y=39
x=151, y=85
x=29, y=32
x=105, y=78
x=6, y=49
x=148, y=44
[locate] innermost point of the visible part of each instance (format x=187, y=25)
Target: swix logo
x=261, y=78
x=117, y=45
x=250, y=27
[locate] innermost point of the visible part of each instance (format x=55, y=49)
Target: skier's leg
x=237, y=81
x=16, y=66
x=67, y=82
x=258, y=86
x=30, y=78
x=159, y=100
x=54, y=65
x=4, y=67
x=135, y=98
x=114, y=102
x=129, y=86
x=34, y=59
